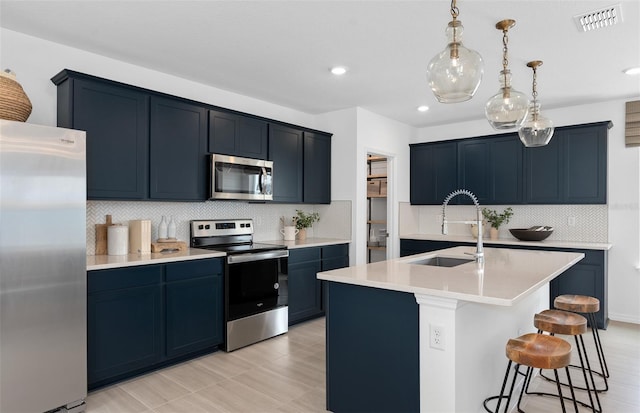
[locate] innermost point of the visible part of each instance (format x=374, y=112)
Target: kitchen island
x=405, y=336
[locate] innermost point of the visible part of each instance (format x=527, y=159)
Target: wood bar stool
x=589, y=306
x=571, y=324
x=535, y=351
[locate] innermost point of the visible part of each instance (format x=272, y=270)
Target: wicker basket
x=14, y=103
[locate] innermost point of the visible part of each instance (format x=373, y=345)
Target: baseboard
x=625, y=318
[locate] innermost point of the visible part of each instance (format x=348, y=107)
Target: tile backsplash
x=335, y=219
x=591, y=221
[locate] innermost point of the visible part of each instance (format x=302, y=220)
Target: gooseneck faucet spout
x=479, y=255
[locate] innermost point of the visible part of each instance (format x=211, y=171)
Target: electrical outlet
x=436, y=337
x=571, y=221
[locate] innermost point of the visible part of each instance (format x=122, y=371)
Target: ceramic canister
x=118, y=240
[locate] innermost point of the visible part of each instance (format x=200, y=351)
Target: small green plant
x=304, y=220
x=496, y=219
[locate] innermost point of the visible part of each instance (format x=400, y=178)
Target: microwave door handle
x=263, y=177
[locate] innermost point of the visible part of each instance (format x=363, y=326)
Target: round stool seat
x=577, y=303
x=539, y=351
x=560, y=322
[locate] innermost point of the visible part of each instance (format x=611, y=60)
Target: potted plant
x=495, y=219
x=302, y=221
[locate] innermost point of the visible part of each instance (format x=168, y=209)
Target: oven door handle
x=257, y=256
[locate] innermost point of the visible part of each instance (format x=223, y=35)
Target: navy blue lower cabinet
x=124, y=322
x=305, y=290
x=142, y=318
x=194, y=315
x=373, y=361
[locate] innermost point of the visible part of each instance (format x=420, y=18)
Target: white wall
x=36, y=61
x=623, y=184
x=357, y=132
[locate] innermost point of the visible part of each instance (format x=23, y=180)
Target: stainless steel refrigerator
x=43, y=340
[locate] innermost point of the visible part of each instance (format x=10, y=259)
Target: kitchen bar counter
x=512, y=241
x=102, y=262
x=507, y=276
x=474, y=310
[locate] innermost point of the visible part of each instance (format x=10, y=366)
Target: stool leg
x=596, y=338
x=583, y=351
x=525, y=385
x=504, y=384
x=555, y=372
x=573, y=394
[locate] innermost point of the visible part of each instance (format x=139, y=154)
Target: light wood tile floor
x=286, y=374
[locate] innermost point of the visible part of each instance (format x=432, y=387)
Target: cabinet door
x=193, y=315
x=116, y=120
x=491, y=168
x=237, y=135
x=124, y=322
x=178, y=150
x=585, y=164
x=505, y=170
x=317, y=168
x=543, y=173
x=587, y=277
x=433, y=172
x=305, y=296
x=286, y=152
x=474, y=171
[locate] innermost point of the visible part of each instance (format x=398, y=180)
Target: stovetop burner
x=230, y=236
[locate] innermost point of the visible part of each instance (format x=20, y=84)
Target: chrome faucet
x=479, y=255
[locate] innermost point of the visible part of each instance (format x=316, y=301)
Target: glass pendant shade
x=508, y=108
x=536, y=129
x=455, y=73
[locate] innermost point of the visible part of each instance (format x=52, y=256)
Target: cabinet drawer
x=115, y=279
x=192, y=269
x=335, y=251
x=303, y=255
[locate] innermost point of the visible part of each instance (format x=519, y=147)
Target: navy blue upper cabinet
x=433, y=172
x=499, y=170
x=237, y=135
x=317, y=168
x=116, y=121
x=286, y=152
x=572, y=169
x=491, y=168
x=178, y=150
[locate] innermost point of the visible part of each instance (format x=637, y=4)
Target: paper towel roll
x=118, y=240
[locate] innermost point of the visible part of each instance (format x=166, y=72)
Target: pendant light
x=508, y=108
x=455, y=73
x=536, y=129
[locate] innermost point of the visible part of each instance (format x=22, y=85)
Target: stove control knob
x=200, y=226
x=207, y=226
x=276, y=286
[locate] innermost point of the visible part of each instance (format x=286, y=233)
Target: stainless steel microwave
x=233, y=177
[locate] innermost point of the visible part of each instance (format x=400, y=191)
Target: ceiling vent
x=598, y=19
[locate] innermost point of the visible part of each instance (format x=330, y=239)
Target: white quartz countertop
x=508, y=275
x=547, y=243
x=102, y=262
x=309, y=242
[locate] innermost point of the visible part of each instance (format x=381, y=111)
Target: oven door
x=253, y=283
x=233, y=177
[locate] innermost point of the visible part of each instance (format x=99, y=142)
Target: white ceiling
x=281, y=51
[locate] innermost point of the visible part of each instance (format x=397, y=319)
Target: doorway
x=377, y=208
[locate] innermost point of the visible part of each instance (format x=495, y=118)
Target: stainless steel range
x=255, y=280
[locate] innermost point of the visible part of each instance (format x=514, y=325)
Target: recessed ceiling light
x=632, y=71
x=339, y=70
x=423, y=108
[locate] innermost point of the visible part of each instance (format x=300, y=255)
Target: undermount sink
x=442, y=261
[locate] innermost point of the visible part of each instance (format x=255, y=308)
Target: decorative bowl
x=537, y=233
